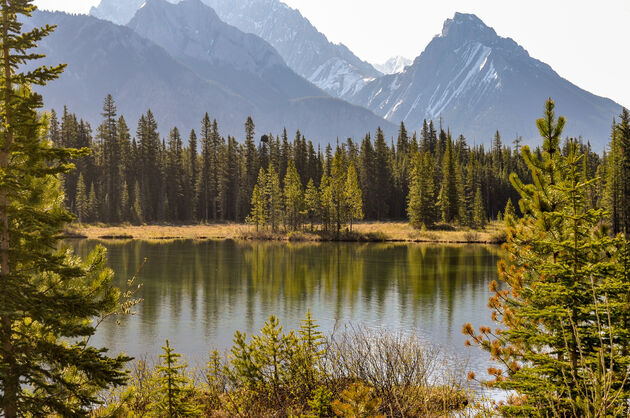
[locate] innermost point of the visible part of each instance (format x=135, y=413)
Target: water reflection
x=197, y=293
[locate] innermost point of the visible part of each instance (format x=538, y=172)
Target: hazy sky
x=585, y=41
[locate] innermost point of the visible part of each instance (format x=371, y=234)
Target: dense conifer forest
x=432, y=177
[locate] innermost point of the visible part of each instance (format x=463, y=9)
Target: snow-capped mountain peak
x=393, y=65
x=479, y=82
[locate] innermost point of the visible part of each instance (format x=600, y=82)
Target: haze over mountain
x=393, y=65
x=333, y=68
x=222, y=71
x=479, y=82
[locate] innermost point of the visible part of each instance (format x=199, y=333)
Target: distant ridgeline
x=428, y=177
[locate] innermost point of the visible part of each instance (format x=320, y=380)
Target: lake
x=197, y=294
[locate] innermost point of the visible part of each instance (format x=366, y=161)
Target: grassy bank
x=367, y=231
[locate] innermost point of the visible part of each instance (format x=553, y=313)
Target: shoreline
x=400, y=232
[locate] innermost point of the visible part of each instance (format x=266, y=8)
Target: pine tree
x=82, y=200
x=336, y=191
x=193, y=175
x=383, y=180
x=562, y=313
x=479, y=213
x=92, y=206
x=108, y=135
x=259, y=214
x=509, y=213
x=124, y=204
x=352, y=196
x=48, y=297
x=174, y=392
x=293, y=196
x=136, y=216
x=273, y=197
x=421, y=205
x=312, y=202
x=449, y=197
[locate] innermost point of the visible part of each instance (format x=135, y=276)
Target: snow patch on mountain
x=393, y=65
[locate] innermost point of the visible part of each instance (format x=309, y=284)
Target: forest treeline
x=428, y=177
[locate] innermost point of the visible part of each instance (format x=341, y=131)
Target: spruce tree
x=383, y=180
x=562, y=314
x=259, y=214
x=312, y=202
x=273, y=196
x=108, y=135
x=449, y=197
x=336, y=191
x=352, y=196
x=82, y=200
x=293, y=196
x=174, y=389
x=47, y=297
x=421, y=202
x=479, y=213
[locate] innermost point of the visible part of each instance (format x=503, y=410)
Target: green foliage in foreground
x=564, y=311
x=48, y=298
x=300, y=374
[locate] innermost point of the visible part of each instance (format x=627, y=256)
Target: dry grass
x=366, y=231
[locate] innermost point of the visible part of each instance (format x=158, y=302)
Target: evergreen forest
x=432, y=178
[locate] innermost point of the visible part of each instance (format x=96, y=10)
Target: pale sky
x=585, y=41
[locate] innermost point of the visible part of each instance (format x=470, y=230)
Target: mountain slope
x=333, y=68
x=118, y=11
x=479, y=82
x=246, y=64
x=107, y=58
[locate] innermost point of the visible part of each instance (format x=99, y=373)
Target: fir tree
x=48, y=297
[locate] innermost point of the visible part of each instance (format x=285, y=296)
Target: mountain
x=193, y=33
x=234, y=76
x=119, y=11
x=479, y=82
x=393, y=65
x=333, y=68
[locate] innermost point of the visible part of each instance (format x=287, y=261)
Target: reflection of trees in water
x=210, y=281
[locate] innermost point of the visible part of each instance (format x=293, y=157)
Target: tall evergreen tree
x=563, y=313
x=383, y=180
x=421, y=204
x=108, y=135
x=293, y=197
x=47, y=297
x=352, y=196
x=312, y=202
x=449, y=197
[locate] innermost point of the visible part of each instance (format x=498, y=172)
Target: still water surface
x=197, y=294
